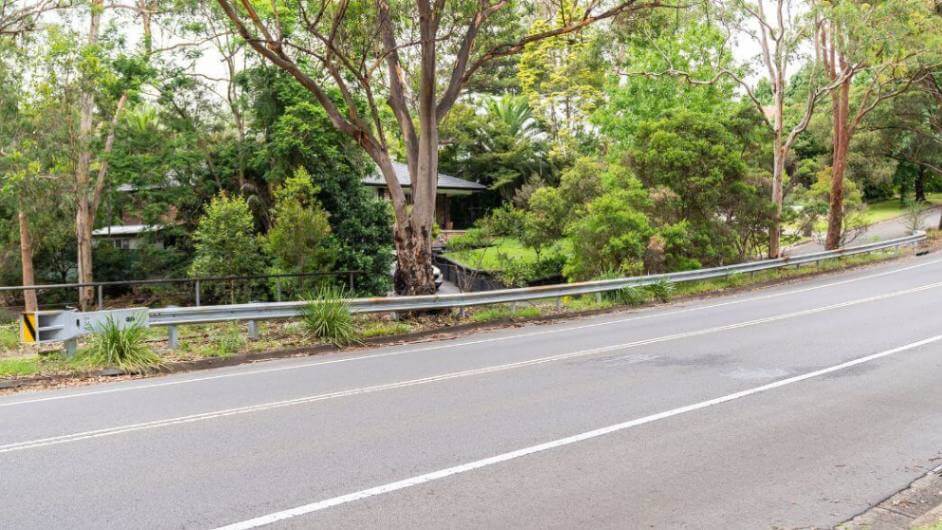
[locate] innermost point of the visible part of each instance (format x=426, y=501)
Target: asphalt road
x=794, y=406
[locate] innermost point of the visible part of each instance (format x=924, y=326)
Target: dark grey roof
x=445, y=182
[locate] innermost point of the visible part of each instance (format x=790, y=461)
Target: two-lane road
x=793, y=406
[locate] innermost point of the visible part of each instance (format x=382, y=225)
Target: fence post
x=351, y=280
x=101, y=297
x=196, y=289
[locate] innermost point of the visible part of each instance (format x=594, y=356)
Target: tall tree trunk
x=30, y=302
x=920, y=184
x=775, y=228
x=83, y=189
x=841, y=141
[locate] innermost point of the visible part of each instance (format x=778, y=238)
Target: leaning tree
x=363, y=59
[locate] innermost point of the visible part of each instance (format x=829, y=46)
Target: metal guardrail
x=197, y=282
x=172, y=317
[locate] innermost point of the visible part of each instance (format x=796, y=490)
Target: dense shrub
x=472, y=238
x=611, y=236
x=505, y=221
x=545, y=221
x=226, y=245
x=694, y=167
x=300, y=239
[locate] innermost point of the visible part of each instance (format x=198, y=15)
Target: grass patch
x=890, y=208
x=9, y=336
x=327, y=317
x=504, y=312
x=588, y=302
x=20, y=366
x=227, y=341
x=120, y=347
x=382, y=329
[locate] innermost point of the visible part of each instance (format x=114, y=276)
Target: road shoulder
x=917, y=506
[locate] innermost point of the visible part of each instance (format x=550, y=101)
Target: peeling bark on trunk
x=30, y=302
x=840, y=143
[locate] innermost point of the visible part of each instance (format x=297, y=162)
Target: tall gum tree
x=418, y=56
x=871, y=52
x=781, y=28
x=782, y=31
x=17, y=22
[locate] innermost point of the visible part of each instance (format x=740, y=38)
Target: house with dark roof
x=451, y=196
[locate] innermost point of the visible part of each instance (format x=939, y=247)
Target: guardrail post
x=559, y=302
x=196, y=291
x=252, y=327
x=350, y=279
x=173, y=339
x=598, y=297
x=71, y=347
x=513, y=308
x=101, y=297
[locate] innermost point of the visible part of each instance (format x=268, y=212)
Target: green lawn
x=487, y=258
x=890, y=208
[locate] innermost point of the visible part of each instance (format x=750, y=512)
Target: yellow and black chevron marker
x=29, y=328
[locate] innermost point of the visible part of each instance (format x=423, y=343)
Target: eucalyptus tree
x=871, y=52
x=783, y=30
x=416, y=55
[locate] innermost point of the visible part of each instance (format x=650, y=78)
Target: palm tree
x=514, y=143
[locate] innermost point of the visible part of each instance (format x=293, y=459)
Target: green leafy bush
x=546, y=219
x=505, y=221
x=473, y=238
x=327, y=317
x=300, y=239
x=611, y=236
x=112, y=345
x=226, y=244
x=516, y=272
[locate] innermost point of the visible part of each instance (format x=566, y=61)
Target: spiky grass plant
x=327, y=317
x=122, y=347
x=662, y=290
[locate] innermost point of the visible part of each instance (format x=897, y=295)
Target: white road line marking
x=555, y=444
x=450, y=345
x=112, y=431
